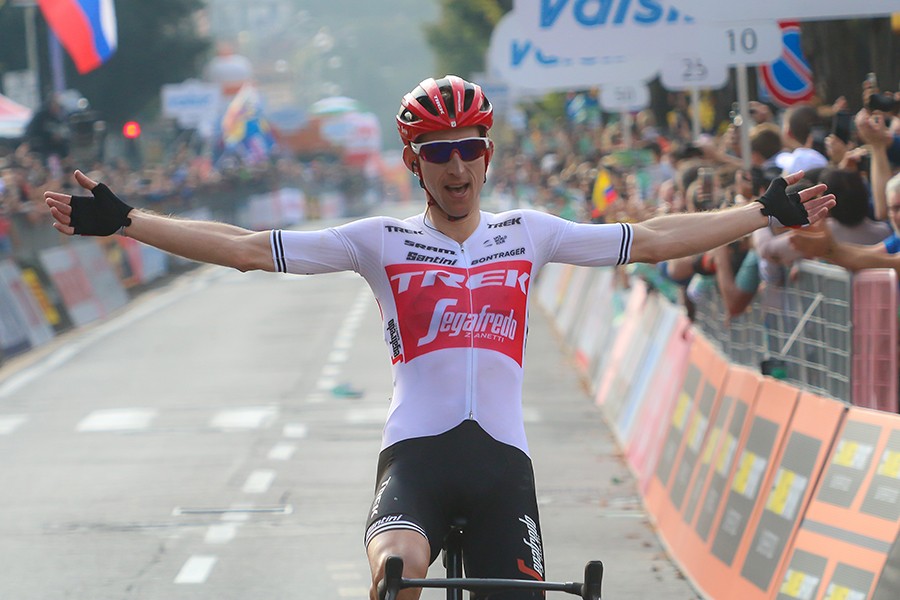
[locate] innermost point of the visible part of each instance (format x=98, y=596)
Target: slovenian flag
x=85, y=28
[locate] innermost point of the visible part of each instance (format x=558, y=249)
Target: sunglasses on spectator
x=440, y=151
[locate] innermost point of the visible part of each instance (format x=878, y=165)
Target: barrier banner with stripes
x=713, y=549
x=686, y=430
x=627, y=335
x=573, y=307
x=602, y=304
x=808, y=443
x=643, y=447
x=851, y=526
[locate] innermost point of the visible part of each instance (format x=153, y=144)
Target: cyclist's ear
x=410, y=159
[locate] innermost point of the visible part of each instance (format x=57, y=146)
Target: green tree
x=462, y=34
x=157, y=44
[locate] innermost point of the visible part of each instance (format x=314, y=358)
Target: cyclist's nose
x=455, y=164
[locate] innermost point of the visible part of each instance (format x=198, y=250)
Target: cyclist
x=452, y=284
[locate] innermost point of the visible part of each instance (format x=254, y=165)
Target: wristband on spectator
x=102, y=215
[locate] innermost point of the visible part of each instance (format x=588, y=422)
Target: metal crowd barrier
x=806, y=327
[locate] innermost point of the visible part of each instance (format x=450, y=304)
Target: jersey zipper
x=470, y=375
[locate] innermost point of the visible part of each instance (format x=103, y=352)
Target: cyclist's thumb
x=85, y=181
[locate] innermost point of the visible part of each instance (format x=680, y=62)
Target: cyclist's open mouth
x=458, y=190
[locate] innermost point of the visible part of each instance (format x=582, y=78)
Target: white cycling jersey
x=455, y=315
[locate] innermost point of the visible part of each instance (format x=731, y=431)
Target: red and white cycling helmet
x=444, y=103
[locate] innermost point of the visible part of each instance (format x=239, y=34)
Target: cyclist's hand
x=795, y=209
x=103, y=214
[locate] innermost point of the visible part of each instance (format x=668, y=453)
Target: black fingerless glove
x=104, y=214
x=786, y=207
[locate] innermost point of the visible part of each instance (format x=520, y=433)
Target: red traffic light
x=131, y=130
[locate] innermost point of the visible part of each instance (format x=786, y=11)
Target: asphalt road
x=205, y=443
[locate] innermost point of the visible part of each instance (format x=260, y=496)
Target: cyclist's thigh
x=408, y=495
x=503, y=536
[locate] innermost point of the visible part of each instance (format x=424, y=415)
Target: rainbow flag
x=85, y=28
x=603, y=194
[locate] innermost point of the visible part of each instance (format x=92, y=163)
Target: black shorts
x=425, y=483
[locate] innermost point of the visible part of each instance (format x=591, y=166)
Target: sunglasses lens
x=440, y=152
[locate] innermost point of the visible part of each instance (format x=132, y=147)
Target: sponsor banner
x=657, y=342
x=846, y=546
x=603, y=304
x=22, y=302
x=643, y=448
x=154, y=262
x=119, y=259
x=573, y=307
x=807, y=445
x=13, y=332
x=71, y=282
x=103, y=278
x=714, y=564
x=51, y=312
x=625, y=376
x=874, y=360
x=626, y=335
x=685, y=431
x=548, y=283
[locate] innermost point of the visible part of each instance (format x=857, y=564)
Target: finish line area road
x=217, y=439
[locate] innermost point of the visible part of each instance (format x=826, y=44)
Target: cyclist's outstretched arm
x=204, y=241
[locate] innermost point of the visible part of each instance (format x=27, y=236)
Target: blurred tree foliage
x=461, y=36
x=157, y=44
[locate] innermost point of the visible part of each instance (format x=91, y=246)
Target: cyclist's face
x=456, y=184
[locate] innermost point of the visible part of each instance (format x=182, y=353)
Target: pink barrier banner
x=874, y=368
x=20, y=300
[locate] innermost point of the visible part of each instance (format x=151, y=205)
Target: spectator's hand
x=839, y=105
x=872, y=129
x=852, y=159
x=815, y=241
x=836, y=149
x=794, y=209
x=104, y=214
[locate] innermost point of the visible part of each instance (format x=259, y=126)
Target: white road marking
x=338, y=356
x=196, y=569
x=295, y=431
x=254, y=417
x=358, y=416
x=117, y=419
x=10, y=423
x=259, y=481
x=331, y=370
x=221, y=533
x=326, y=383
x=282, y=451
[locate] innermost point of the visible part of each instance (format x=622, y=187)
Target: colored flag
x=85, y=28
x=604, y=193
x=245, y=131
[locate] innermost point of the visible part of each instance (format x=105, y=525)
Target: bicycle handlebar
x=393, y=582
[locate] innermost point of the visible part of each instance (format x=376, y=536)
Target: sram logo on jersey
x=450, y=307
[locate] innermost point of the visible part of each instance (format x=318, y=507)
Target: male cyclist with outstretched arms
x=453, y=284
